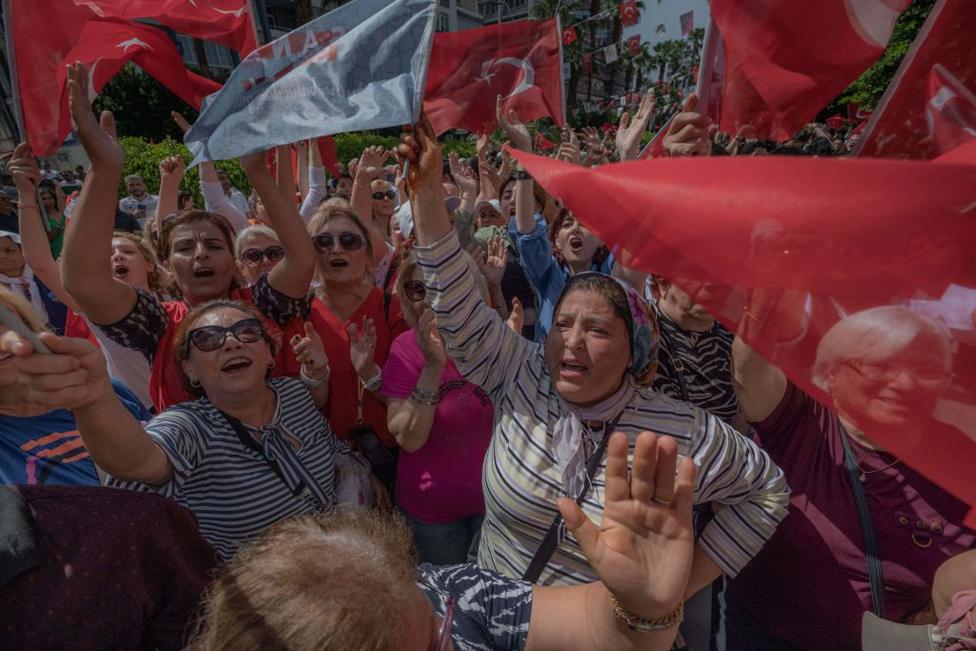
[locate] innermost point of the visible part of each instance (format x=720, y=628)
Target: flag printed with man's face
x=518, y=61
x=361, y=66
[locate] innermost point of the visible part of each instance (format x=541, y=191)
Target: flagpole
x=706, y=64
x=12, y=58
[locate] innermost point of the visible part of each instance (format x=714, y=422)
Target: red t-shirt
x=808, y=587
x=341, y=411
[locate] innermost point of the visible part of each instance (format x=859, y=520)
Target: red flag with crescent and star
x=518, y=61
x=930, y=105
x=778, y=72
x=44, y=33
x=629, y=15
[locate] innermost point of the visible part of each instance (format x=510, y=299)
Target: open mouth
x=236, y=364
x=203, y=272
x=120, y=271
x=571, y=369
x=575, y=243
x=338, y=263
x=5, y=356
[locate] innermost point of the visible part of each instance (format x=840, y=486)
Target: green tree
x=870, y=86
x=142, y=105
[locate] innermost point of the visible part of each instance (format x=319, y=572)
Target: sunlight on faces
x=256, y=240
x=575, y=243
x=588, y=349
x=129, y=265
x=11, y=258
x=337, y=265
x=234, y=367
x=488, y=216
x=682, y=308
x=201, y=260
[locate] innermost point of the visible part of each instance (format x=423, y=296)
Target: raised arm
x=410, y=420
x=484, y=349
x=628, y=138
x=316, y=185
x=293, y=275
x=37, y=252
x=368, y=169
x=86, y=266
x=74, y=377
x=171, y=171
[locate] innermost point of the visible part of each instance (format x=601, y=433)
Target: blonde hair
x=342, y=580
x=254, y=229
x=155, y=278
x=22, y=308
x=877, y=334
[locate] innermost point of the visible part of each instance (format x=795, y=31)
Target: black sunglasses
x=389, y=194
x=415, y=290
x=348, y=241
x=254, y=257
x=212, y=337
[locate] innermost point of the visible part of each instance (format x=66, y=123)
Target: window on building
x=185, y=45
x=443, y=22
x=218, y=56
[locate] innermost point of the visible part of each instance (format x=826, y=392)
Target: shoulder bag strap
x=875, y=572
x=554, y=536
x=248, y=441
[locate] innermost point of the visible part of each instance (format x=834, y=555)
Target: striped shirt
x=521, y=473
x=230, y=488
x=703, y=360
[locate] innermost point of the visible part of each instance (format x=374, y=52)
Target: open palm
x=644, y=546
x=97, y=136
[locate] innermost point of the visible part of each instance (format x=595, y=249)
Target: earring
x=195, y=383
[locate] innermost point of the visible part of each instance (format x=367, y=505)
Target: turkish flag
x=929, y=104
x=634, y=44
x=519, y=61
x=629, y=15
x=227, y=22
x=569, y=36
x=329, y=155
x=44, y=32
x=850, y=275
x=542, y=143
x=778, y=72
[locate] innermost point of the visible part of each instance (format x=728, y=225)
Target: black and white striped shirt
x=703, y=360
x=233, y=491
x=522, y=477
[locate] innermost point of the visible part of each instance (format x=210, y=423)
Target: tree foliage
x=871, y=85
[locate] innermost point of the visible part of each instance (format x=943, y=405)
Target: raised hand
x=23, y=167
x=430, y=341
x=516, y=132
x=688, y=135
x=491, y=183
x=419, y=146
x=493, y=265
x=362, y=343
x=463, y=176
x=173, y=168
x=310, y=352
x=372, y=163
x=629, y=132
x=481, y=146
x=98, y=137
x=596, y=150
x=516, y=320
x=569, y=150
x=643, y=548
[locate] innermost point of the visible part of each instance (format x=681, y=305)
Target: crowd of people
x=243, y=425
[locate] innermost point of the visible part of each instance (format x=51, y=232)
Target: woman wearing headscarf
x=557, y=403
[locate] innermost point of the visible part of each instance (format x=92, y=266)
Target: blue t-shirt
x=47, y=449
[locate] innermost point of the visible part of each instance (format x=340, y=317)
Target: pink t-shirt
x=441, y=482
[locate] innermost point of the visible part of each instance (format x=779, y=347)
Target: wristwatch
x=423, y=397
x=375, y=381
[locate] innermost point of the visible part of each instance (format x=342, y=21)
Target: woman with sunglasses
x=357, y=326
x=349, y=580
x=555, y=405
x=258, y=251
x=443, y=425
x=248, y=451
x=196, y=247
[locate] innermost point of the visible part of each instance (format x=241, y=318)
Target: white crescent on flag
x=874, y=20
x=528, y=73
x=134, y=42
x=232, y=12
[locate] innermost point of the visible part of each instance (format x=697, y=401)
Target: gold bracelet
x=642, y=624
